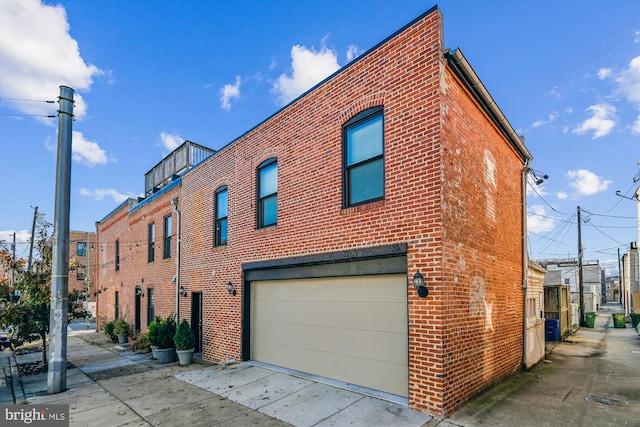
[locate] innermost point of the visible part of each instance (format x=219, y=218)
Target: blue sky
x=150, y=74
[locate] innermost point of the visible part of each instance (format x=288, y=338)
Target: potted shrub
x=166, y=351
x=121, y=330
x=141, y=344
x=153, y=335
x=185, y=342
x=108, y=330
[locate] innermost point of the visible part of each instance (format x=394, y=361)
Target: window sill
x=361, y=208
x=268, y=229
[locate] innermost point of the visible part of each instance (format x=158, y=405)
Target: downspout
x=174, y=203
x=525, y=263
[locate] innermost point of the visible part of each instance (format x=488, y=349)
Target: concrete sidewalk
x=110, y=388
x=591, y=379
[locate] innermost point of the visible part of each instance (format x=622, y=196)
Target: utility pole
x=86, y=278
x=580, y=284
x=13, y=261
x=57, y=375
x=620, y=276
x=33, y=232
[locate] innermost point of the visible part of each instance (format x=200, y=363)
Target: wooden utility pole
x=33, y=232
x=580, y=284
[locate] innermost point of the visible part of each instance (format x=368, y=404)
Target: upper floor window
x=222, y=209
x=166, y=243
x=268, y=193
x=363, y=158
x=151, y=253
x=81, y=272
x=82, y=248
x=117, y=255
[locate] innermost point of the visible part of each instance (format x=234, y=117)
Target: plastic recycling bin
x=590, y=319
x=618, y=320
x=552, y=329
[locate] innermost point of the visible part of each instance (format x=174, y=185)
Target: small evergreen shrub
x=184, y=338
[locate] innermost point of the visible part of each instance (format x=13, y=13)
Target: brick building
x=81, y=252
x=301, y=241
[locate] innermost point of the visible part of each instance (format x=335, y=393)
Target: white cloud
x=37, y=55
x=538, y=221
x=308, y=67
x=229, y=92
x=101, y=193
x=87, y=152
x=637, y=37
x=587, y=183
x=561, y=195
x=603, y=73
x=601, y=122
x=22, y=236
x=83, y=151
x=629, y=81
x=554, y=92
x=353, y=52
x=171, y=142
x=552, y=118
x=635, y=127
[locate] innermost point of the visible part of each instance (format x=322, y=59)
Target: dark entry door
x=151, y=312
x=196, y=319
x=137, y=305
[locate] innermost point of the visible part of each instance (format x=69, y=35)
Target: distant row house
x=82, y=276
x=370, y=232
x=566, y=272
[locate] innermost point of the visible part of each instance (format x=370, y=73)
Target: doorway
x=138, y=304
x=196, y=319
x=151, y=313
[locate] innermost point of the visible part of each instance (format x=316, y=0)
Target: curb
x=16, y=381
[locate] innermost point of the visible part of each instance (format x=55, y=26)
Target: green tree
x=25, y=309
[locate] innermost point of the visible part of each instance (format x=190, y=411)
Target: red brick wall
x=451, y=194
x=482, y=261
x=135, y=270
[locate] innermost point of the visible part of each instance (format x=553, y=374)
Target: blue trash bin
x=552, y=329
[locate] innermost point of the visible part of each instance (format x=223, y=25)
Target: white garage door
x=352, y=329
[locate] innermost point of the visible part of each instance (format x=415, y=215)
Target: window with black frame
x=221, y=214
x=267, y=193
x=151, y=253
x=363, y=158
x=166, y=243
x=117, y=260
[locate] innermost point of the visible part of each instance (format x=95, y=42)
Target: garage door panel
x=352, y=329
x=374, y=374
x=376, y=345
x=359, y=289
x=378, y=316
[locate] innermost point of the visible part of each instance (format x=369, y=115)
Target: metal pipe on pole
x=174, y=203
x=57, y=374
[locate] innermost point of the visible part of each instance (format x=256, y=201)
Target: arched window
x=221, y=213
x=267, y=187
x=363, y=157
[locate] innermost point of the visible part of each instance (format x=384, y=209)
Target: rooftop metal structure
x=183, y=158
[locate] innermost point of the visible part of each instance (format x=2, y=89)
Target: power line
x=28, y=100
x=49, y=116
